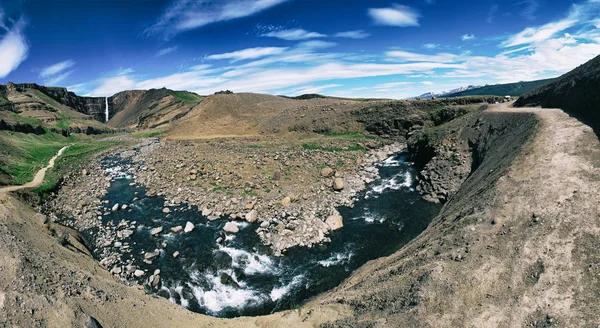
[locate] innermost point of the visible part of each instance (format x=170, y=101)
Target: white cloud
x=294, y=34
x=431, y=45
x=113, y=85
x=315, y=44
x=313, y=89
x=467, y=37
x=415, y=57
x=531, y=7
x=397, y=15
x=357, y=34
x=185, y=15
x=165, y=51
x=250, y=53
x=13, y=48
x=55, y=80
x=56, y=68
x=538, y=34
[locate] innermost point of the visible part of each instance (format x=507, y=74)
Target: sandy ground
x=39, y=176
x=527, y=255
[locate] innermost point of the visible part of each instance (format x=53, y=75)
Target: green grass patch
x=26, y=120
x=255, y=146
x=64, y=122
x=314, y=146
x=148, y=134
x=72, y=159
x=348, y=136
x=187, y=96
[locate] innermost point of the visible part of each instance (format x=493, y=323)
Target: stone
x=264, y=224
x=118, y=244
x=335, y=221
x=338, y=184
x=231, y=227
x=139, y=273
x=177, y=229
x=176, y=254
x=249, y=206
x=206, y=212
x=277, y=176
x=252, y=216
x=124, y=206
x=115, y=207
x=156, y=231
x=149, y=256
x=166, y=210
x=326, y=172
x=189, y=226
x=286, y=202
x=116, y=270
x=84, y=172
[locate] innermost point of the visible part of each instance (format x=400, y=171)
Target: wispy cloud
x=492, y=13
x=13, y=47
x=56, y=79
x=533, y=53
x=250, y=53
x=294, y=34
x=431, y=45
x=530, y=8
x=357, y=34
x=397, y=15
x=415, y=57
x=56, y=68
x=183, y=15
x=538, y=34
x=165, y=51
x=467, y=37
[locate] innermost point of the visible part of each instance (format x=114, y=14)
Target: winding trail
x=39, y=176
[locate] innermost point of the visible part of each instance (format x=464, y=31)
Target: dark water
x=239, y=276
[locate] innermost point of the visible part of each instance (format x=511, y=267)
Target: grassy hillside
x=509, y=89
x=576, y=92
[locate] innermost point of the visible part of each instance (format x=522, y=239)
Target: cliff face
x=93, y=106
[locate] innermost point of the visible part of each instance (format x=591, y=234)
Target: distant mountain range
x=509, y=89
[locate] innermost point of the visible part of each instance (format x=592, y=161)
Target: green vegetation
x=73, y=159
x=187, y=96
x=64, y=122
x=255, y=146
x=26, y=120
x=509, y=89
x=24, y=154
x=349, y=136
x=148, y=134
x=314, y=146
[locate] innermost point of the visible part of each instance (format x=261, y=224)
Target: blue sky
x=391, y=49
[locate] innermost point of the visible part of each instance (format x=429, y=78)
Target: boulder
x=231, y=227
x=177, y=229
x=84, y=172
x=176, y=254
x=189, y=226
x=338, y=184
x=149, y=256
x=206, y=212
x=115, y=207
x=335, y=221
x=286, y=202
x=139, y=273
x=156, y=231
x=222, y=261
x=326, y=172
x=252, y=216
x=166, y=210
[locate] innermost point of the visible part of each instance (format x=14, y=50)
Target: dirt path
x=39, y=176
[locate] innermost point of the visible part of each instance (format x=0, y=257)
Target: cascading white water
x=106, y=110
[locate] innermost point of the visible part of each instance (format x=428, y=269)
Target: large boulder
x=231, y=227
x=252, y=216
x=335, y=221
x=338, y=184
x=189, y=226
x=156, y=231
x=326, y=172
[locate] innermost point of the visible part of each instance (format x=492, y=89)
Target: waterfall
x=106, y=110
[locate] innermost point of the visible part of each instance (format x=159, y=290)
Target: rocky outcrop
x=21, y=127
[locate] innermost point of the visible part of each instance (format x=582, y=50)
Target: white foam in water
x=252, y=263
x=279, y=292
x=398, y=181
x=372, y=217
x=221, y=296
x=336, y=259
x=391, y=161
